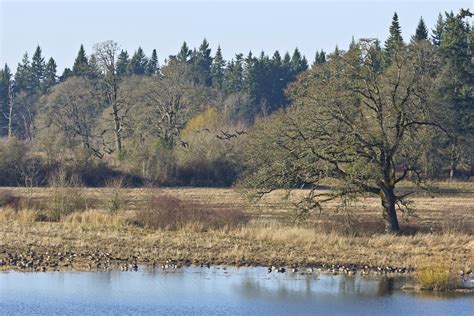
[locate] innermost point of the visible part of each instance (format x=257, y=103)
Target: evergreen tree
x=276, y=59
x=122, y=63
x=287, y=60
x=421, y=33
x=5, y=83
x=394, y=41
x=437, y=31
x=202, y=61
x=217, y=69
x=353, y=43
x=50, y=78
x=93, y=71
x=455, y=85
x=152, y=66
x=184, y=53
x=37, y=68
x=67, y=73
x=298, y=63
x=138, y=63
x=23, y=77
x=81, y=64
x=234, y=74
x=319, y=58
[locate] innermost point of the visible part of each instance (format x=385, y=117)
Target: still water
x=215, y=291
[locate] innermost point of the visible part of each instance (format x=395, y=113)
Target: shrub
x=170, y=213
x=115, y=199
x=67, y=197
x=9, y=200
x=435, y=274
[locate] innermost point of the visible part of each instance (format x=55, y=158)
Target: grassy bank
x=101, y=237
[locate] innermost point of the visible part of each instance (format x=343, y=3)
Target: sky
x=60, y=27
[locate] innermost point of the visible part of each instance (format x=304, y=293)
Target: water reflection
x=216, y=290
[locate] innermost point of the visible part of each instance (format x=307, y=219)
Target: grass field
x=105, y=233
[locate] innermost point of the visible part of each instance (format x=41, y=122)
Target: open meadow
x=106, y=228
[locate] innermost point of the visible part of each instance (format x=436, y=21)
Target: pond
x=216, y=291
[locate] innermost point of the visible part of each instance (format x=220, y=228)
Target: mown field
x=107, y=227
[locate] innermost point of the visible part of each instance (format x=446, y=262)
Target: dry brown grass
x=444, y=226
x=436, y=274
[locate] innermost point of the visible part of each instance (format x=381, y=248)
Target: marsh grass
x=170, y=213
x=67, y=196
x=99, y=218
x=435, y=274
x=217, y=225
x=116, y=201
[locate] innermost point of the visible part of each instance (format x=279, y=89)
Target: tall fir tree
x=394, y=41
x=319, y=58
x=67, y=73
x=37, y=68
x=152, y=65
x=138, y=63
x=202, y=62
x=421, y=33
x=93, y=71
x=50, y=78
x=81, y=63
x=184, y=53
x=24, y=80
x=455, y=86
x=122, y=63
x=5, y=85
x=234, y=75
x=298, y=62
x=437, y=31
x=353, y=43
x=217, y=69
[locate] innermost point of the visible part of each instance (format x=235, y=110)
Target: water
x=215, y=291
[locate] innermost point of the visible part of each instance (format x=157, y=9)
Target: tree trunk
x=389, y=211
x=10, y=111
x=452, y=170
x=117, y=130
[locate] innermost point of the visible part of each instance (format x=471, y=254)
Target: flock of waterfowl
x=103, y=261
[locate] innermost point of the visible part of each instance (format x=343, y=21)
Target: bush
x=67, y=197
x=170, y=213
x=115, y=200
x=435, y=274
x=9, y=200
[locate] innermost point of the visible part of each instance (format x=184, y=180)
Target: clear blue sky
x=59, y=27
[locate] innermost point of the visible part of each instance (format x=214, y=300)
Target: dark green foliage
x=234, y=75
x=319, y=58
x=184, y=53
x=394, y=41
x=81, y=64
x=201, y=64
x=37, y=68
x=50, y=78
x=122, y=63
x=438, y=31
x=5, y=83
x=67, y=73
x=298, y=63
x=23, y=77
x=421, y=33
x=217, y=69
x=152, y=65
x=93, y=71
x=456, y=88
x=138, y=63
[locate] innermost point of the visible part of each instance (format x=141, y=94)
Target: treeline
x=187, y=121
